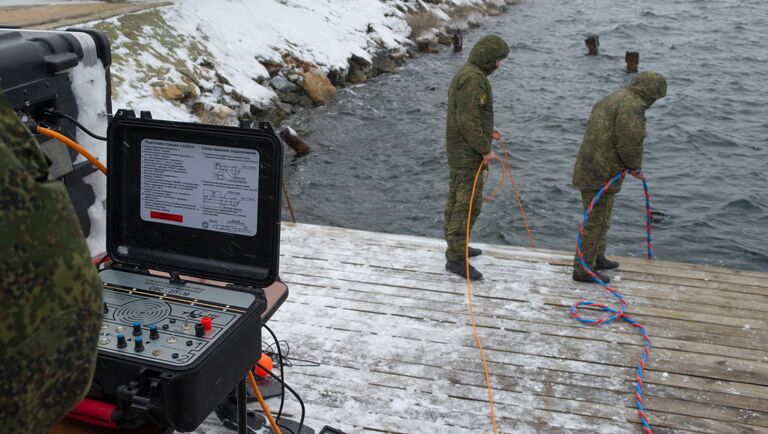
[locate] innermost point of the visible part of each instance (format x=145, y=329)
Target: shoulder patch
x=483, y=97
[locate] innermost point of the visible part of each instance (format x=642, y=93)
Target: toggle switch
x=121, y=341
x=138, y=344
x=153, y=333
x=137, y=328
x=206, y=321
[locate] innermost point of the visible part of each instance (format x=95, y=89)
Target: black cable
x=282, y=374
x=293, y=392
x=79, y=125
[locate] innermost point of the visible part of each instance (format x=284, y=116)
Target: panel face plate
x=175, y=310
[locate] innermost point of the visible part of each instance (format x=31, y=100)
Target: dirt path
x=61, y=15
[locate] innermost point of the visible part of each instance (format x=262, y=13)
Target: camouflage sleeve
x=630, y=133
x=470, y=101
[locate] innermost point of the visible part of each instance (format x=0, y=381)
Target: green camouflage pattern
x=457, y=210
x=593, y=239
x=469, y=123
x=469, y=130
x=616, y=131
x=49, y=289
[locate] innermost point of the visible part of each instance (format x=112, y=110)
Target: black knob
x=199, y=330
x=106, y=309
x=138, y=345
x=137, y=328
x=121, y=341
x=153, y=333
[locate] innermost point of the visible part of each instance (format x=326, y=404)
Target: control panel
x=152, y=318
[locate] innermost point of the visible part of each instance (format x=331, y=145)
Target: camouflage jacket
x=616, y=131
x=50, y=292
x=470, y=105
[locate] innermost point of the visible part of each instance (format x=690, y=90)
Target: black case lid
x=194, y=199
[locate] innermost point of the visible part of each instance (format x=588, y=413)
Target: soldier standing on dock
x=469, y=132
x=613, y=141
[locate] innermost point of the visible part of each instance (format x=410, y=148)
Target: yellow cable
x=72, y=144
x=264, y=407
x=469, y=297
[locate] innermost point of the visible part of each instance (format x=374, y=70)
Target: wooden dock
x=389, y=330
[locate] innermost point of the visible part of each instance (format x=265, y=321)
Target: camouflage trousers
x=598, y=223
x=457, y=209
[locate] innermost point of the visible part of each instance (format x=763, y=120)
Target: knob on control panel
x=137, y=328
x=206, y=321
x=153, y=333
x=199, y=330
x=121, y=341
x=138, y=344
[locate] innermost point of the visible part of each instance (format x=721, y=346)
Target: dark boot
x=474, y=252
x=459, y=267
x=587, y=278
x=603, y=263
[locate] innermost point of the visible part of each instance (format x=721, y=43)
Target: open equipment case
x=193, y=233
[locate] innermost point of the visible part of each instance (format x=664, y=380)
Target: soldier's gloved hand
x=487, y=158
x=496, y=134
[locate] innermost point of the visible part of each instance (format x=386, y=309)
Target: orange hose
x=499, y=186
x=72, y=144
x=264, y=407
x=517, y=195
x=471, y=311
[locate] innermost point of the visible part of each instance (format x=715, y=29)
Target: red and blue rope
x=615, y=314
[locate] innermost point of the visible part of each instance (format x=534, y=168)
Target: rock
x=222, y=112
x=427, y=46
x=306, y=102
x=318, y=87
x=444, y=39
x=290, y=60
x=176, y=92
x=399, y=58
x=288, y=98
x=307, y=66
x=383, y=64
x=294, y=77
x=336, y=76
x=296, y=143
x=357, y=78
x=281, y=84
x=273, y=67
x=359, y=70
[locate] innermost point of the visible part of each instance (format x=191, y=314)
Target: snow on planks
x=390, y=331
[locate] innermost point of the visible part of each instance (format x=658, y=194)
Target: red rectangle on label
x=165, y=216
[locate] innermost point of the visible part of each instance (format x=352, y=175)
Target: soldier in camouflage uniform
x=468, y=137
x=613, y=141
x=50, y=293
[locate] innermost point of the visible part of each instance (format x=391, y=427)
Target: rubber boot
x=587, y=278
x=603, y=263
x=459, y=268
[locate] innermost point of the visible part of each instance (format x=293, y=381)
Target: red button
x=206, y=322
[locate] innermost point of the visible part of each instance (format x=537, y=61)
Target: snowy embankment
x=221, y=61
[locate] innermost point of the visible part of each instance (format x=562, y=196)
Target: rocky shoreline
x=188, y=80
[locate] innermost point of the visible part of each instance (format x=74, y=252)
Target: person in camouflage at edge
x=50, y=292
x=613, y=141
x=469, y=131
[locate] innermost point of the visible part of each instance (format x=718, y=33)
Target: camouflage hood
x=487, y=51
x=650, y=86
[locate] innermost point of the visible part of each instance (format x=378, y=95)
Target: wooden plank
x=383, y=305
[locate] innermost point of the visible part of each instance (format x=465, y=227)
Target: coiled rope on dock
x=614, y=314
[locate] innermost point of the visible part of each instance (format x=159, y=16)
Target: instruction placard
x=214, y=188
